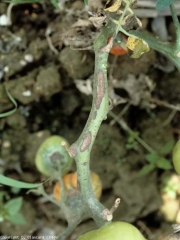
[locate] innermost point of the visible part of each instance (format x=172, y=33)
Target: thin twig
x=124, y=110
x=165, y=104
x=53, y=49
x=9, y=10
x=170, y=118
x=125, y=127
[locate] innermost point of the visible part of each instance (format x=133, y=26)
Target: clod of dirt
x=154, y=134
x=69, y=102
x=78, y=64
x=139, y=195
x=16, y=121
x=21, y=89
x=48, y=82
x=108, y=150
x=12, y=151
x=168, y=87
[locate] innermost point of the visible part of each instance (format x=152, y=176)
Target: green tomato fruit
x=52, y=156
x=176, y=157
x=114, y=231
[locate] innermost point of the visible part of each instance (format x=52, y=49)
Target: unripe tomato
x=114, y=231
x=50, y=154
x=176, y=157
x=70, y=183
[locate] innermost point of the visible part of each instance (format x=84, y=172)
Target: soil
x=52, y=85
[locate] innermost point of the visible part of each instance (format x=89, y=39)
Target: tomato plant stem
x=177, y=27
x=81, y=149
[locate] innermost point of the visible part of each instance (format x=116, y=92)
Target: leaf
x=13, y=101
x=17, y=219
x=14, y=183
x=54, y=2
x=146, y=169
x=163, y=163
x=112, y=5
x=161, y=4
x=86, y=2
x=138, y=46
x=151, y=157
x=167, y=148
x=13, y=206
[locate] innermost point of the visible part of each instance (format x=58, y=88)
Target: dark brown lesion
x=94, y=115
x=86, y=142
x=100, y=89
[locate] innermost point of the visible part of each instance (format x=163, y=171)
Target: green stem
x=81, y=149
x=177, y=27
x=122, y=17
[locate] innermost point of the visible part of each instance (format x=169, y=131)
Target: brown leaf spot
x=94, y=115
x=86, y=142
x=100, y=89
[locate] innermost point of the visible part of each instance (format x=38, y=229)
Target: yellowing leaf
x=138, y=46
x=132, y=42
x=112, y=5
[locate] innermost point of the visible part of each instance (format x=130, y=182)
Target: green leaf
x=161, y=4
x=13, y=206
x=86, y=2
x=151, y=157
x=54, y=2
x=163, y=163
x=14, y=183
x=167, y=148
x=146, y=169
x=14, y=103
x=17, y=219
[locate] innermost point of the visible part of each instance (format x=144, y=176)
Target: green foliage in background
x=10, y=210
x=131, y=142
x=157, y=159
